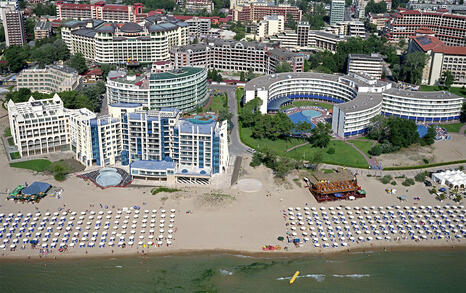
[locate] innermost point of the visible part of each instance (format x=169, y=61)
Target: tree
x=448, y=78
x=29, y=25
x=463, y=113
x=290, y=22
x=78, y=62
x=373, y=7
x=16, y=58
x=2, y=34
x=48, y=9
x=321, y=135
x=241, y=76
x=283, y=66
x=371, y=28
x=413, y=65
x=429, y=137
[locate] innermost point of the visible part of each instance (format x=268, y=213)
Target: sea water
x=421, y=271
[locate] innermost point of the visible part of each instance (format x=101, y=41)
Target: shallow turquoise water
x=425, y=271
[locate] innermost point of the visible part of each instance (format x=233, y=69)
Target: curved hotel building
x=183, y=88
x=356, y=99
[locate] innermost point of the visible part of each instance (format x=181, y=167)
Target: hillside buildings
x=42, y=30
x=8, y=5
x=157, y=145
x=102, y=11
x=448, y=28
x=256, y=12
x=337, y=11
x=235, y=56
x=199, y=5
x=129, y=42
x=51, y=79
x=270, y=25
x=13, y=25
x=371, y=65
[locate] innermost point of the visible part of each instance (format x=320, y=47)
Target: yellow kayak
x=294, y=277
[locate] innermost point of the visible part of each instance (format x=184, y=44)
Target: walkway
x=463, y=130
x=370, y=162
x=296, y=146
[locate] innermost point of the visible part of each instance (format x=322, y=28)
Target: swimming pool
x=304, y=116
x=422, y=130
x=108, y=177
x=203, y=119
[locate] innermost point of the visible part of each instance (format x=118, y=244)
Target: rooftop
x=153, y=165
x=428, y=43
x=362, y=102
x=182, y=72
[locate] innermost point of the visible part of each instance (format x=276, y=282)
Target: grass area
x=7, y=132
x=15, y=155
x=454, y=127
x=328, y=171
x=278, y=146
x=11, y=141
x=297, y=181
x=219, y=102
x=308, y=103
x=163, y=189
x=455, y=90
x=363, y=144
x=344, y=154
x=39, y=165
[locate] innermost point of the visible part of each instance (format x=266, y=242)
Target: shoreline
x=236, y=252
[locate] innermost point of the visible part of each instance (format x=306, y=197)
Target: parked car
x=427, y=183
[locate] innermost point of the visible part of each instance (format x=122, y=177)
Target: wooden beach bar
x=338, y=185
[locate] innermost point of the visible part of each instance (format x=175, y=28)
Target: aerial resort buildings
x=339, y=185
x=356, y=98
x=183, y=88
x=156, y=145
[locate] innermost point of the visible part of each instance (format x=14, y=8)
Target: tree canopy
x=283, y=66
x=373, y=7
x=47, y=9
x=448, y=78
x=321, y=135
x=78, y=62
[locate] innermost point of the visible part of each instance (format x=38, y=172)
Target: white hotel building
x=356, y=99
x=105, y=42
x=156, y=145
x=183, y=88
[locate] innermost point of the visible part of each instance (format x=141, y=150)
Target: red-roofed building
x=449, y=28
x=93, y=75
x=441, y=58
x=101, y=10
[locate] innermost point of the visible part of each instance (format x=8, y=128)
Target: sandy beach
x=241, y=218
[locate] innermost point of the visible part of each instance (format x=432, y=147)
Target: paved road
x=237, y=148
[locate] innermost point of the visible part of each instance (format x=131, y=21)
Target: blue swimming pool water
x=108, y=177
x=197, y=120
x=304, y=116
x=422, y=130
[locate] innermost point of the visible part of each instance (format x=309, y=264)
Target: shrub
x=408, y=182
x=375, y=150
x=425, y=161
x=15, y=155
x=393, y=182
x=421, y=177
x=331, y=150
x=154, y=191
x=386, y=179
x=256, y=159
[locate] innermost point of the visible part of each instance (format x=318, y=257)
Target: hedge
x=424, y=166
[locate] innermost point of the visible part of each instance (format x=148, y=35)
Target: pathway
x=463, y=130
x=369, y=161
x=296, y=146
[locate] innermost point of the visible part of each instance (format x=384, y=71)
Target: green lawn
x=38, y=165
x=363, y=144
x=455, y=90
x=308, y=103
x=344, y=154
x=11, y=142
x=278, y=146
x=454, y=127
x=219, y=102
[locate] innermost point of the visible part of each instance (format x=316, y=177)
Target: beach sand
x=236, y=219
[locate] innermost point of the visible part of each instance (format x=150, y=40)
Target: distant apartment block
x=448, y=28
x=42, y=30
x=199, y=5
x=198, y=26
x=434, y=5
x=337, y=11
x=379, y=19
x=51, y=79
x=270, y=25
x=348, y=28
x=13, y=25
x=235, y=56
x=371, y=65
x=101, y=10
x=441, y=58
x=306, y=39
x=8, y=4
x=255, y=12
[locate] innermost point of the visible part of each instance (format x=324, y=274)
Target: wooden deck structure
x=334, y=186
